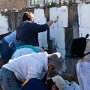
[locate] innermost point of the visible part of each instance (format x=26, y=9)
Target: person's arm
x=50, y=23
x=44, y=27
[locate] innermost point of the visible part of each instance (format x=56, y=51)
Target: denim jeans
x=6, y=51
x=8, y=81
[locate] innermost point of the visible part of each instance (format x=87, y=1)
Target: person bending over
x=26, y=67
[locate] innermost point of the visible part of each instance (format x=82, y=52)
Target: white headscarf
x=87, y=49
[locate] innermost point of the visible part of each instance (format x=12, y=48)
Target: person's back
x=26, y=49
x=83, y=69
x=28, y=31
x=27, y=66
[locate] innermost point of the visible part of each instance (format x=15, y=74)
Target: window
x=34, y=2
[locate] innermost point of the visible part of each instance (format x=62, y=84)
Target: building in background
x=12, y=4
x=19, y=4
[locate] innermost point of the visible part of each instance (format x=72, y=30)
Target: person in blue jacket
x=5, y=50
x=27, y=31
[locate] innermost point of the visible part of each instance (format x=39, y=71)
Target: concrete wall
x=84, y=19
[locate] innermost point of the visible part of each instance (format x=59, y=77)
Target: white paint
x=84, y=19
x=57, y=30
x=62, y=12
x=58, y=37
x=84, y=15
x=39, y=18
x=39, y=14
x=3, y=25
x=63, y=16
x=83, y=32
x=53, y=15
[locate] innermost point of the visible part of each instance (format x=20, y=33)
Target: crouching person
x=26, y=67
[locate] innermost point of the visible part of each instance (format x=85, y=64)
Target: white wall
x=3, y=25
x=39, y=18
x=57, y=30
x=84, y=19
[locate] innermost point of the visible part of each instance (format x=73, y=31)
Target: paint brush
x=56, y=19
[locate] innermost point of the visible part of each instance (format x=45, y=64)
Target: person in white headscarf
x=83, y=69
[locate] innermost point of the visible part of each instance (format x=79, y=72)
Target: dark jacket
x=27, y=32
